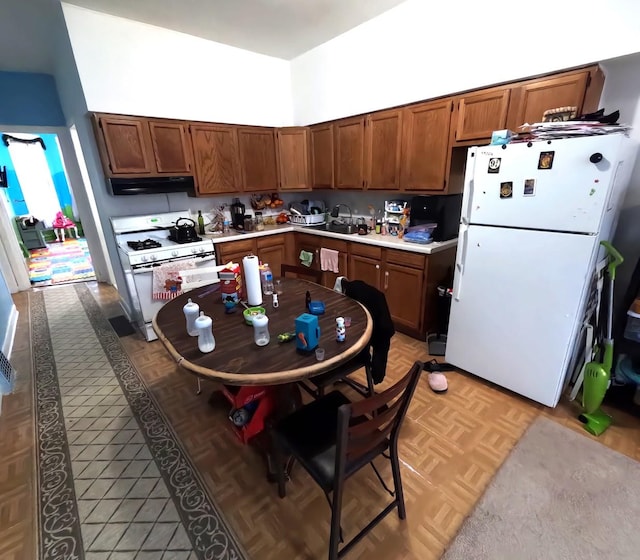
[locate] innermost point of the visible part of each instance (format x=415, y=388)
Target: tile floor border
x=58, y=517
x=210, y=534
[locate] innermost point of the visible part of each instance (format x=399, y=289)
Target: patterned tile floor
x=124, y=506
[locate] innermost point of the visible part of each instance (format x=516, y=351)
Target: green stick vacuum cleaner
x=597, y=375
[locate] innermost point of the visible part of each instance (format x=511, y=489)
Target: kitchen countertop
x=378, y=240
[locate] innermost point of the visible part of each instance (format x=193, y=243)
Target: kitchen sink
x=347, y=229
x=341, y=228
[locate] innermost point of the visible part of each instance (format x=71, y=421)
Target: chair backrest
x=383, y=329
x=302, y=271
x=383, y=416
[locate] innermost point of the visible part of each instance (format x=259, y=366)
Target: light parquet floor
x=451, y=446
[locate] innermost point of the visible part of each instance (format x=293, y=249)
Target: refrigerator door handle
x=461, y=257
x=467, y=201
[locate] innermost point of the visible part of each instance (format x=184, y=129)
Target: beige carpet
x=559, y=495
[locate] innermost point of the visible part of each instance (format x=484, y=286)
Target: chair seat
x=310, y=435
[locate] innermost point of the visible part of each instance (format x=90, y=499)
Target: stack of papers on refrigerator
x=566, y=129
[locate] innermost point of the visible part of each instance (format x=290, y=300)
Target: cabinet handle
x=386, y=279
x=377, y=267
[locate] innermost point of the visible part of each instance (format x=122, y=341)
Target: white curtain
x=35, y=179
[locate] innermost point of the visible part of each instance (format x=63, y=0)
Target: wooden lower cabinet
x=403, y=286
x=329, y=277
x=309, y=243
x=272, y=249
x=408, y=280
x=365, y=263
x=314, y=244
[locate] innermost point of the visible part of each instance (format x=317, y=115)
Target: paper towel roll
x=250, y=265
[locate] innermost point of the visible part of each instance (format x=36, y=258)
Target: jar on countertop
x=259, y=221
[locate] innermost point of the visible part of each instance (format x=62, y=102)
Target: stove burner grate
x=146, y=244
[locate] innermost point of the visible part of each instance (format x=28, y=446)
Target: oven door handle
x=149, y=267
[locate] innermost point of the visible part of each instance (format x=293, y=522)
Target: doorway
x=41, y=209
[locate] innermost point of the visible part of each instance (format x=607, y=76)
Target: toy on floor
x=62, y=223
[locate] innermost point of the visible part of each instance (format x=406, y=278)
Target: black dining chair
x=333, y=438
x=301, y=272
x=373, y=358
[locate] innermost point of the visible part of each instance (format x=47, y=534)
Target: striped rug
x=58, y=263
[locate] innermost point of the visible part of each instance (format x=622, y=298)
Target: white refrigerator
x=533, y=215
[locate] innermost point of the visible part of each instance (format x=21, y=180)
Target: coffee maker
x=237, y=214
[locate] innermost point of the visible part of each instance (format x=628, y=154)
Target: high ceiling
x=280, y=28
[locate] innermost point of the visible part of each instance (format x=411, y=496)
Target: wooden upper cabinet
x=216, y=158
x=170, y=146
x=349, y=153
x=383, y=140
x=126, y=143
x=322, y=156
x=293, y=158
x=533, y=99
x=479, y=114
x=425, y=145
x=258, y=167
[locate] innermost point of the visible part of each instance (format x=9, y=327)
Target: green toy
x=597, y=375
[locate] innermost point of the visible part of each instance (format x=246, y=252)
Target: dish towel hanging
x=306, y=258
x=337, y=287
x=167, y=282
x=329, y=260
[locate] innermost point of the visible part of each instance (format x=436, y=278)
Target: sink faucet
x=336, y=210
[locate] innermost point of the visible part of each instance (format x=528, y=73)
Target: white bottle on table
x=206, y=342
x=261, y=329
x=191, y=311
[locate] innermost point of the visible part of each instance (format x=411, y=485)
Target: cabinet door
x=480, y=114
x=258, y=169
x=293, y=158
x=216, y=158
x=403, y=289
x=126, y=140
x=349, y=153
x=366, y=269
x=383, y=139
x=272, y=250
x=322, y=156
x=425, y=145
x=170, y=146
x=234, y=251
x=537, y=97
x=328, y=276
x=308, y=243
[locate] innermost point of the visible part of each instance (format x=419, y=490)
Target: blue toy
x=307, y=332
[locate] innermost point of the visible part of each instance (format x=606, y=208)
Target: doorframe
x=12, y=261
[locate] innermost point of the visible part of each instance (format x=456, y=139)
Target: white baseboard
x=12, y=324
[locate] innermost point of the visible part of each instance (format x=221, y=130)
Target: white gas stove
x=144, y=240
x=144, y=244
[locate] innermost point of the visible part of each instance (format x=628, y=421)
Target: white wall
x=622, y=91
x=423, y=49
x=134, y=68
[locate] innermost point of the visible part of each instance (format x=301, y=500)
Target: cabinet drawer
x=366, y=250
x=270, y=241
x=236, y=246
x=405, y=258
x=335, y=244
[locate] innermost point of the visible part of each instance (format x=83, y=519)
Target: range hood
x=152, y=185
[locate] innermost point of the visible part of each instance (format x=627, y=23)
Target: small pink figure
x=61, y=223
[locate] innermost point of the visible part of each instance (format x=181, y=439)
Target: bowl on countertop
x=250, y=312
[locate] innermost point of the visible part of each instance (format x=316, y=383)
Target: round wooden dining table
x=237, y=360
